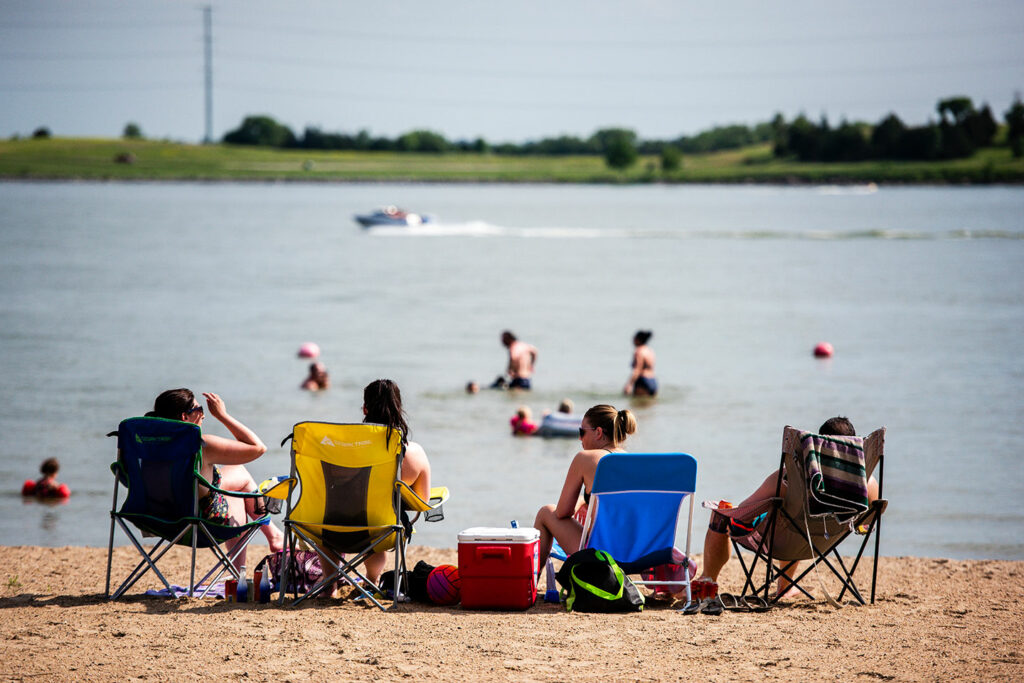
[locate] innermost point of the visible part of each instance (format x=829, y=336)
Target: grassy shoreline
x=96, y=159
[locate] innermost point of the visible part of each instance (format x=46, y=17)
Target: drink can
x=230, y=590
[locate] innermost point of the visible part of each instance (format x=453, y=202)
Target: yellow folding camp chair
x=350, y=501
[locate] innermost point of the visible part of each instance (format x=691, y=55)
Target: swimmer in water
x=318, y=379
x=47, y=486
x=641, y=381
x=521, y=358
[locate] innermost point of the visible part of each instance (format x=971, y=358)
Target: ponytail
x=625, y=424
x=616, y=424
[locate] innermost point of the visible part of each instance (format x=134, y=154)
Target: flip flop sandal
x=756, y=603
x=733, y=603
x=712, y=606
x=691, y=607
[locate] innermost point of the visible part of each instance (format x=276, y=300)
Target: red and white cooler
x=498, y=567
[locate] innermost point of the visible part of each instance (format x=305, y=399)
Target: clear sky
x=506, y=71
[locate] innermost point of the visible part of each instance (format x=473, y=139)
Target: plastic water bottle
x=265, y=587
x=551, y=594
x=242, y=592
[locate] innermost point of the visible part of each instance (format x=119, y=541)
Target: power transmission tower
x=208, y=55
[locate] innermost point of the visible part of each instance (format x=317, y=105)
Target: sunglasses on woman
x=196, y=409
x=584, y=429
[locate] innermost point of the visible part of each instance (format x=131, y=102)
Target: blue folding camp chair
x=634, y=511
x=159, y=462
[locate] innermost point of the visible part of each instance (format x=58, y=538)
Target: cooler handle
x=494, y=552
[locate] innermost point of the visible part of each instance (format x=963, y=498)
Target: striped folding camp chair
x=350, y=501
x=825, y=502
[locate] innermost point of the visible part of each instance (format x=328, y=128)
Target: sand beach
x=934, y=619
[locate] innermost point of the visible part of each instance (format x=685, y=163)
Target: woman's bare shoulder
x=590, y=457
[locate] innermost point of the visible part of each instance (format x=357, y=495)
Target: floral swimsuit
x=213, y=507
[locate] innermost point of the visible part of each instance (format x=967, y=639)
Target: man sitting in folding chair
x=748, y=520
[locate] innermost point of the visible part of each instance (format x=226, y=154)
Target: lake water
x=110, y=293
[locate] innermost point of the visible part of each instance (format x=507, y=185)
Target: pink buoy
x=309, y=350
x=823, y=350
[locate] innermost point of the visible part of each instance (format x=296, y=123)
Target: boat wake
x=484, y=229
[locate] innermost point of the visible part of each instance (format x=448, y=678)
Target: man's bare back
x=521, y=357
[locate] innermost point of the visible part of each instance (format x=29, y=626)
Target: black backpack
x=592, y=581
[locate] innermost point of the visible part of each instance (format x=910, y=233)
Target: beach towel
x=216, y=591
x=836, y=475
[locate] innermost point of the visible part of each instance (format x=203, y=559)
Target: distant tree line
x=960, y=130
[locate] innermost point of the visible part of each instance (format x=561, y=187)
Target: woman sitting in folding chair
x=382, y=404
x=223, y=461
x=720, y=528
x=602, y=431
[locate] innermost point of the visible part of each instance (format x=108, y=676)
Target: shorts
x=736, y=528
x=519, y=383
x=648, y=384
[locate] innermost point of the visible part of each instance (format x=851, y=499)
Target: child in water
x=47, y=486
x=318, y=378
x=522, y=423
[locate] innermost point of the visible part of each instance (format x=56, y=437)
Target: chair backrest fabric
x=159, y=459
x=347, y=474
x=791, y=542
x=794, y=444
x=636, y=499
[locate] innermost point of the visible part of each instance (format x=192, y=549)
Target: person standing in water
x=641, y=381
x=521, y=357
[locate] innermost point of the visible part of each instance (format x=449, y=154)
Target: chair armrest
x=118, y=471
x=438, y=496
x=225, y=492
x=276, y=487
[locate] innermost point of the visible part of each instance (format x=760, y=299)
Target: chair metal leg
x=149, y=560
x=399, y=568
x=874, y=568
x=856, y=561
x=289, y=544
x=192, y=574
x=110, y=545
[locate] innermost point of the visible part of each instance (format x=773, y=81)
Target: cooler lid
x=490, y=534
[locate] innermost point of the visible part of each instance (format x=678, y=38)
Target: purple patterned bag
x=304, y=570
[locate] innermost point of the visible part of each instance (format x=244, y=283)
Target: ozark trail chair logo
x=326, y=441
x=151, y=439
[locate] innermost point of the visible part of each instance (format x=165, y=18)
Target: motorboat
x=392, y=216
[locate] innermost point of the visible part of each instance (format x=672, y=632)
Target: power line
x=604, y=76
x=645, y=43
x=80, y=87
x=666, y=79
x=69, y=57
x=91, y=25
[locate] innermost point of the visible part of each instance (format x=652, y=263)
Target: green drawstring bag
x=592, y=581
